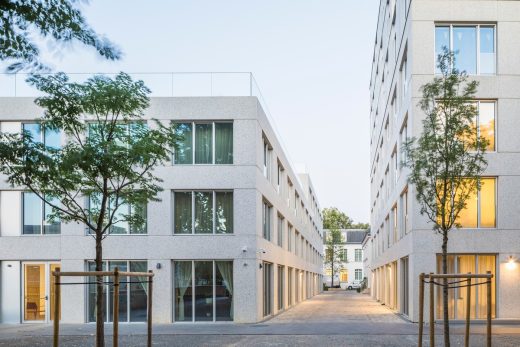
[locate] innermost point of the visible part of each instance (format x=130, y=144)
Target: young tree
x=334, y=245
x=334, y=218
x=108, y=158
x=446, y=161
x=59, y=19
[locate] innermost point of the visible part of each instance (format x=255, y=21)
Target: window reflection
x=210, y=288
x=203, y=291
x=184, y=150
x=480, y=211
x=133, y=301
x=465, y=48
x=203, y=212
x=462, y=40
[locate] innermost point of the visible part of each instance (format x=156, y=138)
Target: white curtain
x=183, y=281
x=226, y=270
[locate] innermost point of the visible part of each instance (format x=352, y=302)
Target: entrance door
x=38, y=292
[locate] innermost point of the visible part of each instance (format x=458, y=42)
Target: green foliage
x=59, y=19
x=333, y=248
x=109, y=153
x=446, y=161
x=333, y=218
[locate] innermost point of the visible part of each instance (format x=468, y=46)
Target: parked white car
x=353, y=285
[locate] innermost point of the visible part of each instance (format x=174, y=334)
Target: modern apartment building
x=351, y=256
x=237, y=235
x=402, y=244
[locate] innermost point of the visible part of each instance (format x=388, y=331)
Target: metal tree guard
x=116, y=274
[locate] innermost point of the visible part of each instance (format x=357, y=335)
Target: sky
x=310, y=58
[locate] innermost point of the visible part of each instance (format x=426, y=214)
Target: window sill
x=39, y=235
x=202, y=164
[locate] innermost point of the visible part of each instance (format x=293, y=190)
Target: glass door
x=38, y=292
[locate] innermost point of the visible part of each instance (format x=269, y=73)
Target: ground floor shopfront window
x=203, y=290
x=457, y=298
x=132, y=296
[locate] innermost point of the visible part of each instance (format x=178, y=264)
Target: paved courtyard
x=331, y=319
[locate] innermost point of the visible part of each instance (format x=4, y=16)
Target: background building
x=237, y=235
x=351, y=272
x=402, y=244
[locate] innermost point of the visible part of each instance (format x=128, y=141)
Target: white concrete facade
x=246, y=247
x=402, y=244
x=352, y=271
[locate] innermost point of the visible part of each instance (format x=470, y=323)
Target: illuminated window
x=343, y=276
x=457, y=298
x=486, y=122
x=480, y=211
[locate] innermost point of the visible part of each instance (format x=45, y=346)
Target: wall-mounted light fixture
x=158, y=266
x=511, y=263
x=260, y=266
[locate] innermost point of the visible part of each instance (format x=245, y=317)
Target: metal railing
x=164, y=84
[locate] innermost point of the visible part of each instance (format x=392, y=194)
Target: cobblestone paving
x=330, y=319
x=338, y=307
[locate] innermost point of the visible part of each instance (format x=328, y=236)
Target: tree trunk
x=100, y=308
x=332, y=270
x=445, y=290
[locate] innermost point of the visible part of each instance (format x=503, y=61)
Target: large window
x=281, y=287
x=403, y=138
x=395, y=231
x=280, y=231
x=203, y=212
x=279, y=178
x=358, y=254
x=290, y=286
x=405, y=297
x=290, y=238
x=457, y=298
x=344, y=255
x=203, y=291
x=36, y=216
x=474, y=47
x=358, y=274
x=480, y=211
x=50, y=138
x=204, y=143
x=268, y=150
x=268, y=288
x=485, y=122
x=133, y=292
x=121, y=224
x=296, y=242
x=404, y=210
x=266, y=220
